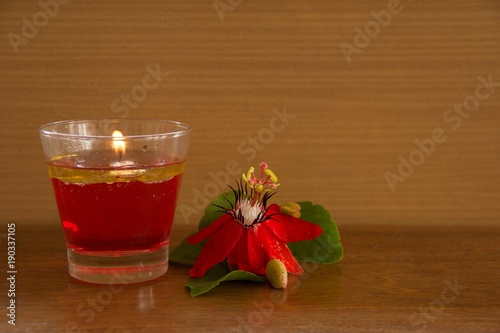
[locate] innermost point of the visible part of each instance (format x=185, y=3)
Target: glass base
x=118, y=268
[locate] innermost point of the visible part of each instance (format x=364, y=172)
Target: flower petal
x=289, y=228
x=217, y=248
x=207, y=232
x=238, y=257
x=263, y=245
x=277, y=249
x=258, y=244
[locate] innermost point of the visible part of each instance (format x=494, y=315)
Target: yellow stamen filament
x=250, y=172
x=271, y=175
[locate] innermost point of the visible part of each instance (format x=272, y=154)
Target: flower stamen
x=267, y=181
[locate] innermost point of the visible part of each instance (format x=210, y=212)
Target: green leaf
x=326, y=248
x=185, y=253
x=212, y=212
x=217, y=274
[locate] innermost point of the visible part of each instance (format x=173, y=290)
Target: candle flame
x=118, y=143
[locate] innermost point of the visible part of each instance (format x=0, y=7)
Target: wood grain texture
x=352, y=120
x=392, y=279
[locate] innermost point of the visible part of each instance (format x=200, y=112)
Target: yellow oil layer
x=93, y=176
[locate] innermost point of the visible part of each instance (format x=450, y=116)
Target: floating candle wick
x=118, y=144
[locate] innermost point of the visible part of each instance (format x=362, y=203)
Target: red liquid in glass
x=132, y=215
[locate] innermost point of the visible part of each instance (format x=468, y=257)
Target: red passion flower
x=251, y=233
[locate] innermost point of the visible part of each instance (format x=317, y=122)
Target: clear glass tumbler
x=116, y=184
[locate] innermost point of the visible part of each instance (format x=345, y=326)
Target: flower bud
x=291, y=208
x=276, y=274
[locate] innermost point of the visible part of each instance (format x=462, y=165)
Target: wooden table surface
x=392, y=279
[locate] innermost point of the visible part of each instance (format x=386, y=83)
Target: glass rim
x=48, y=129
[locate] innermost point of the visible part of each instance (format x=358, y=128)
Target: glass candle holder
x=116, y=184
